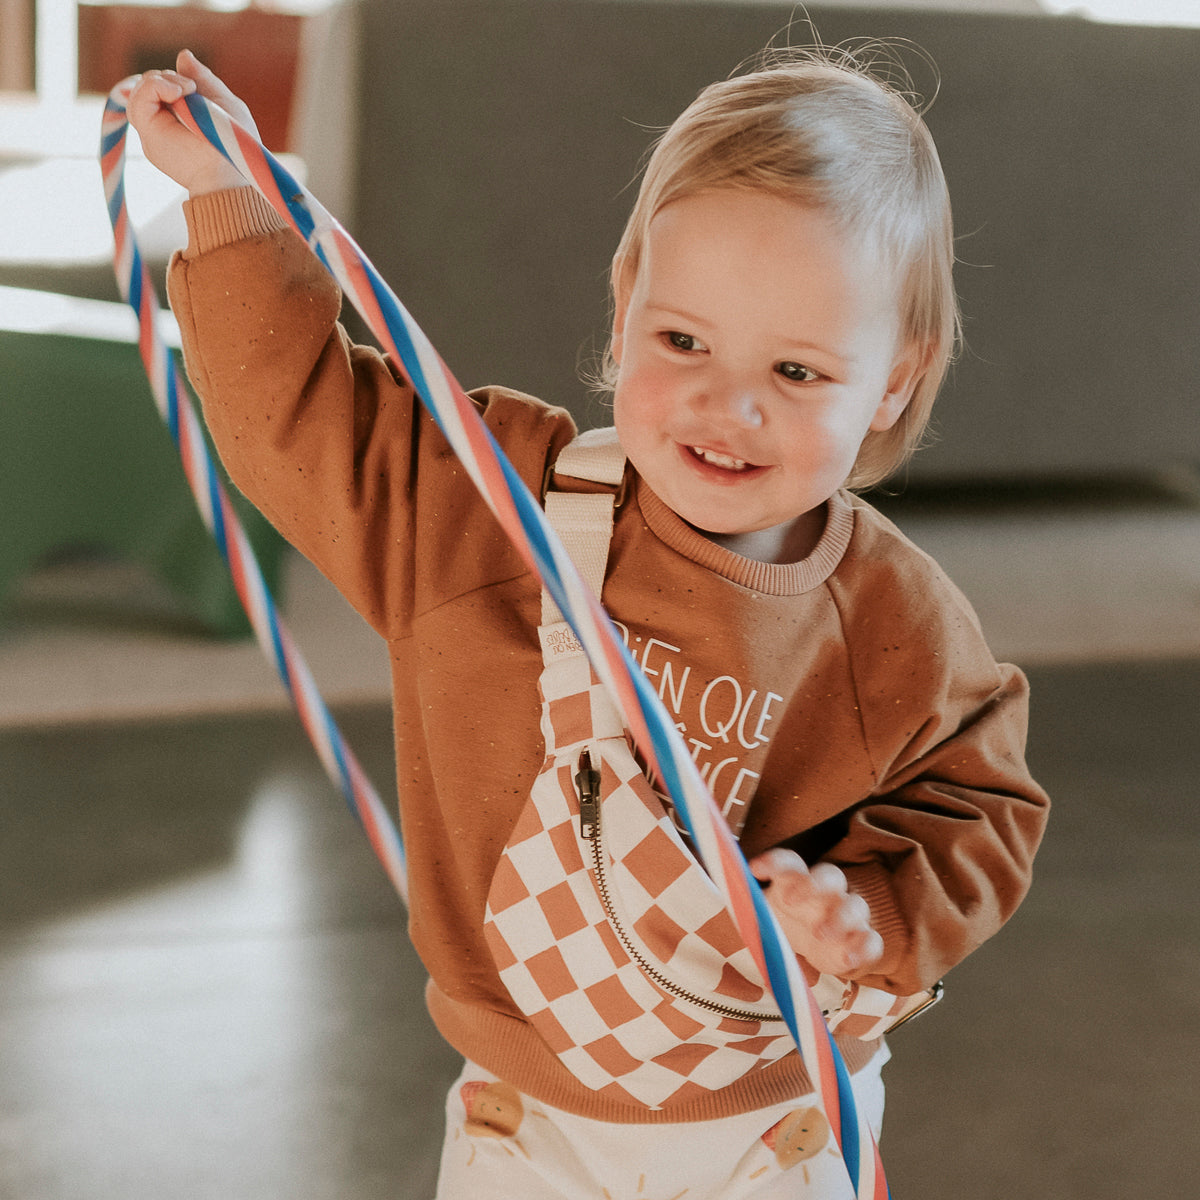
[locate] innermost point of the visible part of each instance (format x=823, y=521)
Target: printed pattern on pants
x=501, y=1144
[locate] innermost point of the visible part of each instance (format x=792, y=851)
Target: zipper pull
x=588, y=783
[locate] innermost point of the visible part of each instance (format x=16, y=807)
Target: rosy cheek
x=628, y=414
x=835, y=425
x=642, y=398
x=659, y=389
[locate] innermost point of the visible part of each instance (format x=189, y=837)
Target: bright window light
x=1131, y=12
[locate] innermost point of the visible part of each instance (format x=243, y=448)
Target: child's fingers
x=828, y=880
x=830, y=891
x=154, y=91
x=774, y=863
x=792, y=885
x=827, y=924
x=212, y=87
x=210, y=84
x=172, y=148
x=821, y=890
x=855, y=952
x=149, y=108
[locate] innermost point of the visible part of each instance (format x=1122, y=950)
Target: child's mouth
x=725, y=461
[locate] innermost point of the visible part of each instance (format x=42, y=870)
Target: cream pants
x=501, y=1145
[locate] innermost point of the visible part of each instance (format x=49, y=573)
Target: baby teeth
x=719, y=460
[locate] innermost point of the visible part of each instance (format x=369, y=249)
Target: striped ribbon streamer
x=524, y=522
x=177, y=410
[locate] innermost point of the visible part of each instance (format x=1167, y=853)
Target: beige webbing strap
x=595, y=455
x=584, y=521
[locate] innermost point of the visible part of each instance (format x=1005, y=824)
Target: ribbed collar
x=772, y=579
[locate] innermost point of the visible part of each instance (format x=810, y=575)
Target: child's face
x=756, y=347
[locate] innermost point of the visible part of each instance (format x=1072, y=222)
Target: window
x=16, y=46
x=41, y=112
x=59, y=57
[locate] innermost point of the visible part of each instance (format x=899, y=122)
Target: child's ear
x=907, y=371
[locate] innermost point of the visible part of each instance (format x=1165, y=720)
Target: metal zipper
x=587, y=781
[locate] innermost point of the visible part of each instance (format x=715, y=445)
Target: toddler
x=783, y=317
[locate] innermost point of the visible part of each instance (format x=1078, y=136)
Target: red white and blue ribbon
x=177, y=410
x=524, y=521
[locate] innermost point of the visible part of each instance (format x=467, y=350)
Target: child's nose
x=733, y=401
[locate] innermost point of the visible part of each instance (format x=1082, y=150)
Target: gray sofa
x=498, y=139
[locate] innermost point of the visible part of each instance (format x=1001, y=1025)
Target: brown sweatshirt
x=846, y=705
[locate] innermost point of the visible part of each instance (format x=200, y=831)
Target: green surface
x=87, y=463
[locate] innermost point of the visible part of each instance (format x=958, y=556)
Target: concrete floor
x=206, y=990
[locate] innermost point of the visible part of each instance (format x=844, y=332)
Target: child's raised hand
x=827, y=926
x=191, y=161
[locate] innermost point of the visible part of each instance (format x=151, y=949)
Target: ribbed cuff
x=872, y=884
x=220, y=218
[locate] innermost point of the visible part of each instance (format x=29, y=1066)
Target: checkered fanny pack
x=606, y=931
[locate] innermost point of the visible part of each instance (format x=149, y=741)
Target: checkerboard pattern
x=563, y=959
x=573, y=966
x=863, y=1012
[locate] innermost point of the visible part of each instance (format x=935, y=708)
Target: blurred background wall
x=205, y=988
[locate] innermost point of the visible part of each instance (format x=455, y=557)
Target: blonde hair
x=822, y=127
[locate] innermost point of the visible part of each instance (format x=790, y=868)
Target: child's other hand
x=827, y=926
x=191, y=161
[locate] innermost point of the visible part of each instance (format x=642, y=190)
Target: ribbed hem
x=509, y=1048
x=220, y=218
x=772, y=579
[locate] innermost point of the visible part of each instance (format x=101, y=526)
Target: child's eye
x=797, y=372
x=684, y=341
